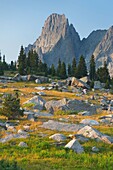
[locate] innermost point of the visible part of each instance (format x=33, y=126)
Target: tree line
x=31, y=64
x=4, y=66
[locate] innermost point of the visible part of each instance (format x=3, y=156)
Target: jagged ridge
x=59, y=39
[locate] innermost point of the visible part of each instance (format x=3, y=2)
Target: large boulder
x=55, y=105
x=79, y=83
x=72, y=105
x=14, y=136
x=79, y=106
x=17, y=77
x=89, y=122
x=60, y=126
x=85, y=79
x=97, y=85
x=58, y=137
x=75, y=146
x=92, y=133
x=41, y=79
x=31, y=77
x=38, y=102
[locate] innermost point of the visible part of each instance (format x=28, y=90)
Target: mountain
x=89, y=44
x=59, y=39
x=104, y=51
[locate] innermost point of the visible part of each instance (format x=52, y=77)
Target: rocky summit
x=59, y=39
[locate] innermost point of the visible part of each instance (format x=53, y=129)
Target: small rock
x=41, y=93
x=23, y=144
x=75, y=145
x=95, y=149
x=85, y=113
x=31, y=117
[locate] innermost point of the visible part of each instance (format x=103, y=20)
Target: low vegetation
x=43, y=153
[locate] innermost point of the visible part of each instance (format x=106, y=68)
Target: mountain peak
x=54, y=28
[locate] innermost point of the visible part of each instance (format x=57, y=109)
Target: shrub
x=4, y=165
x=11, y=107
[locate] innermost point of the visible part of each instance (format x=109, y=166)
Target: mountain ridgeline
x=59, y=40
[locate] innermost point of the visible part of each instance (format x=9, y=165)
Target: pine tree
x=53, y=72
x=74, y=69
x=63, y=71
x=59, y=68
x=103, y=74
x=5, y=65
x=1, y=69
x=92, y=71
x=11, y=107
x=69, y=70
x=81, y=69
x=22, y=62
x=12, y=66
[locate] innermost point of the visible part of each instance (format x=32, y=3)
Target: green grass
x=44, y=153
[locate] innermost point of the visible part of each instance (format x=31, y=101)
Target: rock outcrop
x=58, y=39
x=104, y=51
x=89, y=44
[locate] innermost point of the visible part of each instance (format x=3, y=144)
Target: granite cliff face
x=89, y=44
x=59, y=39
x=104, y=51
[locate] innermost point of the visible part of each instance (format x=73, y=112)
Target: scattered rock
x=23, y=144
x=37, y=81
x=54, y=105
x=42, y=114
x=41, y=93
x=97, y=85
x=60, y=126
x=13, y=136
x=79, y=83
x=40, y=88
x=85, y=113
x=95, y=149
x=22, y=132
x=103, y=102
x=73, y=105
x=75, y=146
x=31, y=117
x=92, y=133
x=89, y=122
x=41, y=79
x=81, y=138
x=38, y=102
x=58, y=137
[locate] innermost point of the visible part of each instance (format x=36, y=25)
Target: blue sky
x=21, y=20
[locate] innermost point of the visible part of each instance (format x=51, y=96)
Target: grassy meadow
x=43, y=153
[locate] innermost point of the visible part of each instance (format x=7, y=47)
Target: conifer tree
x=11, y=107
x=5, y=65
x=81, y=69
x=53, y=72
x=22, y=62
x=69, y=70
x=63, y=71
x=103, y=74
x=59, y=68
x=92, y=71
x=1, y=69
x=74, y=69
